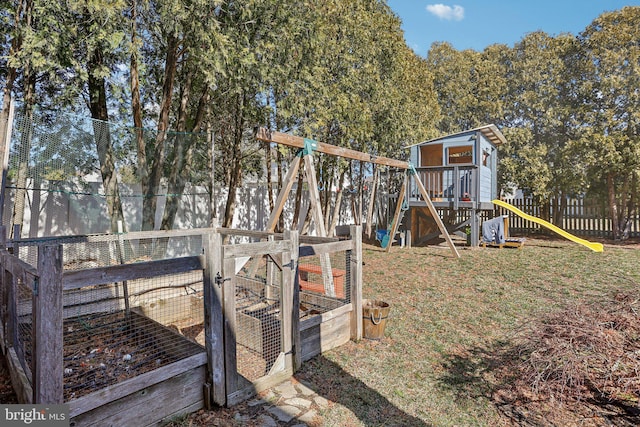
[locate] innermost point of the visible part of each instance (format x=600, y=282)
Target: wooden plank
x=356, y=283
x=311, y=240
x=254, y=249
x=258, y=386
x=295, y=325
x=396, y=216
x=436, y=217
x=117, y=391
x=133, y=235
x=118, y=273
x=230, y=328
x=288, y=181
x=19, y=379
x=213, y=319
x=16, y=266
x=247, y=233
x=264, y=134
x=326, y=316
x=318, y=219
x=324, y=248
x=287, y=311
x=325, y=336
x=150, y=405
x=47, y=328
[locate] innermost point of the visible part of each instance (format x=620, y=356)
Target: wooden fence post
x=213, y=318
x=291, y=300
x=228, y=278
x=356, y=282
x=47, y=327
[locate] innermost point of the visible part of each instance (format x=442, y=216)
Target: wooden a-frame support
x=266, y=135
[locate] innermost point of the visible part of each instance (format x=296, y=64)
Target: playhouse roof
x=491, y=132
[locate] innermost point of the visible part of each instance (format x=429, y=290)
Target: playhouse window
x=462, y=154
x=486, y=158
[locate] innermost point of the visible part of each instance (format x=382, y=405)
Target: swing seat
x=380, y=234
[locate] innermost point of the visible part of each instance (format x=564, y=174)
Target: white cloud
x=442, y=11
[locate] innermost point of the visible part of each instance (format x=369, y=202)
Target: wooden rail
x=266, y=135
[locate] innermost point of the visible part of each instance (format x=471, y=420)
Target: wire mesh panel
x=71, y=175
x=23, y=322
x=317, y=295
x=258, y=317
x=81, y=252
x=117, y=331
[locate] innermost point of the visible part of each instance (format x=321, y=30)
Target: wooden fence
x=582, y=217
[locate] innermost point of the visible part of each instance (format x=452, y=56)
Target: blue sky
x=476, y=24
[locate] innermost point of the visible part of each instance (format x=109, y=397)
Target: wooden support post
x=318, y=219
x=288, y=310
x=230, y=342
x=356, y=282
x=12, y=306
x=292, y=173
x=289, y=179
x=475, y=228
x=396, y=216
x=47, y=327
x=3, y=291
x=435, y=215
x=213, y=318
x=125, y=284
x=292, y=271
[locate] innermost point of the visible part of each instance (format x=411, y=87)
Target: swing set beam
x=266, y=135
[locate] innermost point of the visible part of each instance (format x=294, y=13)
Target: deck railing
x=447, y=183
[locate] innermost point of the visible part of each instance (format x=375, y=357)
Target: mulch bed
x=577, y=366
x=7, y=394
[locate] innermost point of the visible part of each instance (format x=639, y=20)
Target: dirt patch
x=106, y=349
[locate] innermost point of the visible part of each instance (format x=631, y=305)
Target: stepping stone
x=286, y=390
x=266, y=421
x=299, y=402
x=304, y=390
x=257, y=402
x=321, y=402
x=308, y=417
x=285, y=413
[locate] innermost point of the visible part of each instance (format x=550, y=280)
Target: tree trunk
x=102, y=135
x=613, y=206
x=236, y=163
x=183, y=157
x=136, y=105
x=156, y=168
x=24, y=152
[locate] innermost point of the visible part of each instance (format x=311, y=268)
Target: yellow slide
x=596, y=247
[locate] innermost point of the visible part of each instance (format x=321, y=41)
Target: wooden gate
x=260, y=316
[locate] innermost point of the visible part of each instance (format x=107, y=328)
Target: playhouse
x=459, y=173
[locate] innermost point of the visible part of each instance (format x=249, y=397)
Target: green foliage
x=339, y=71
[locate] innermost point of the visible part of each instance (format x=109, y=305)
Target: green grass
x=448, y=318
